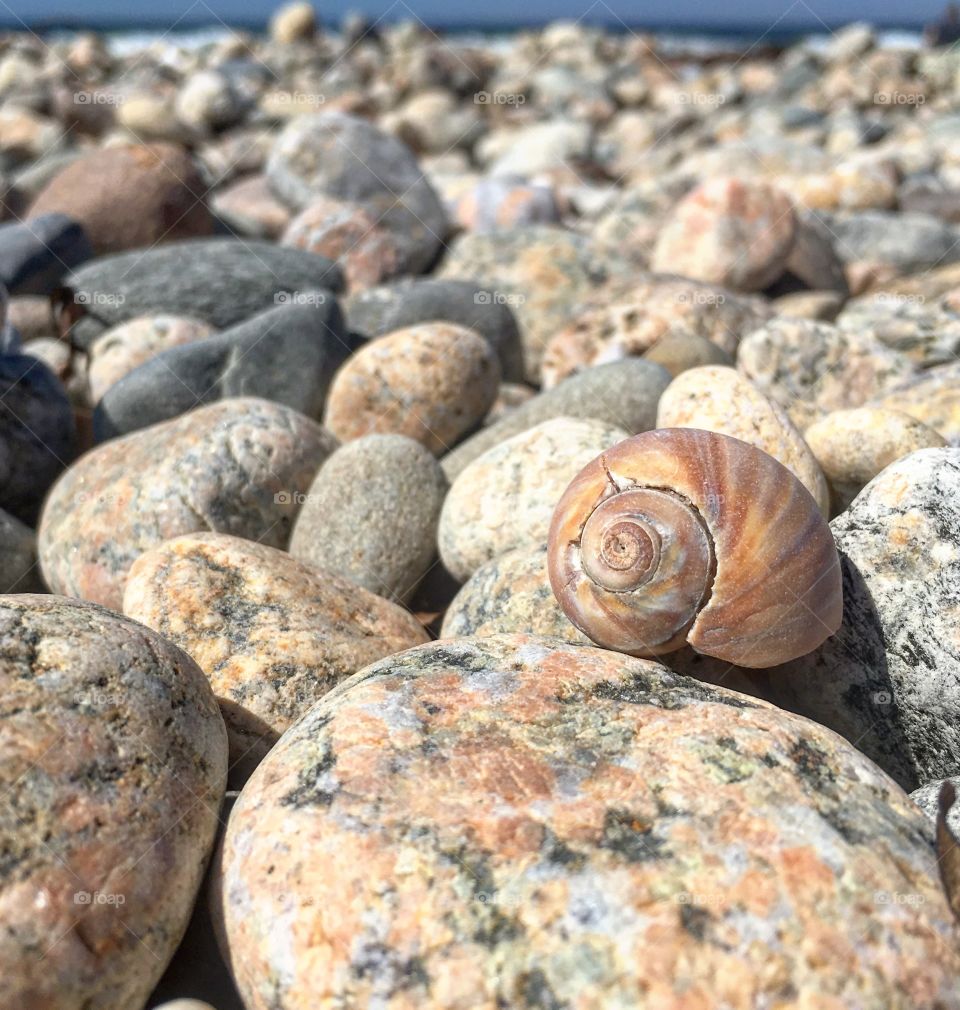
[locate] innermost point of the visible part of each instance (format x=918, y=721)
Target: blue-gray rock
x=341, y=156
x=36, y=433
x=908, y=242
x=36, y=253
x=624, y=393
x=376, y=311
x=288, y=354
x=19, y=569
x=221, y=281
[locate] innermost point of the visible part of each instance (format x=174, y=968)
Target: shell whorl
x=683, y=536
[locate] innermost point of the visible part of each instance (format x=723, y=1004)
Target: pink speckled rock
x=733, y=232
x=113, y=771
x=237, y=466
x=514, y=822
x=273, y=635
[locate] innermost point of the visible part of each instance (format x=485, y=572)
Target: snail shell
x=680, y=536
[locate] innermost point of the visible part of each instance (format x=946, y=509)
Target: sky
x=792, y=13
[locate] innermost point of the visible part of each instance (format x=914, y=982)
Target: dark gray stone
x=909, y=242
x=376, y=311
x=36, y=433
x=288, y=354
x=221, y=281
x=35, y=254
x=19, y=569
x=624, y=393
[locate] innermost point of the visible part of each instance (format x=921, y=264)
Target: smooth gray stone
x=19, y=569
x=36, y=433
x=335, y=155
x=910, y=242
x=376, y=311
x=624, y=393
x=222, y=281
x=288, y=354
x=10, y=340
x=36, y=253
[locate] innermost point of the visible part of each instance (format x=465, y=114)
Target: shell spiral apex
x=685, y=537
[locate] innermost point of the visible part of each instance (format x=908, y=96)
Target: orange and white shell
x=680, y=536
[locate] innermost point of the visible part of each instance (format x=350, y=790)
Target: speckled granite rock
x=889, y=680
x=595, y=825
x=680, y=350
x=926, y=798
x=389, y=307
x=505, y=498
x=238, y=466
x=120, y=350
x=932, y=397
x=19, y=571
x=510, y=593
x=719, y=399
x=347, y=158
x=287, y=355
x=220, y=281
x=542, y=273
x=655, y=308
x=37, y=435
x=115, y=760
x=433, y=382
x=371, y=514
x=811, y=368
x=927, y=330
x=367, y=251
x=622, y=393
x=496, y=204
x=853, y=446
x=272, y=635
x=732, y=232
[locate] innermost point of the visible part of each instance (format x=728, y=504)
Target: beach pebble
x=371, y=514
x=115, y=761
x=890, y=678
x=542, y=273
x=853, y=446
x=813, y=260
x=905, y=242
x=823, y=306
x=655, y=308
x=185, y=1004
x=219, y=281
x=505, y=498
x=381, y=310
x=19, y=571
x=346, y=158
x=367, y=251
x=679, y=350
x=288, y=355
x=124, y=348
x=932, y=397
x=37, y=435
x=510, y=593
x=249, y=207
x=589, y=819
x=733, y=232
x=271, y=634
x=927, y=799
x=719, y=399
x=238, y=466
x=812, y=368
x=433, y=382
x=622, y=393
x=207, y=101
x=293, y=22
x=35, y=254
x=926, y=329
x=130, y=196
x=497, y=204
x=510, y=396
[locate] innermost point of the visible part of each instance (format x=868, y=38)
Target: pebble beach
x=479, y=520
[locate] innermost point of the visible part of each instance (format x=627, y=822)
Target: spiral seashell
x=680, y=536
